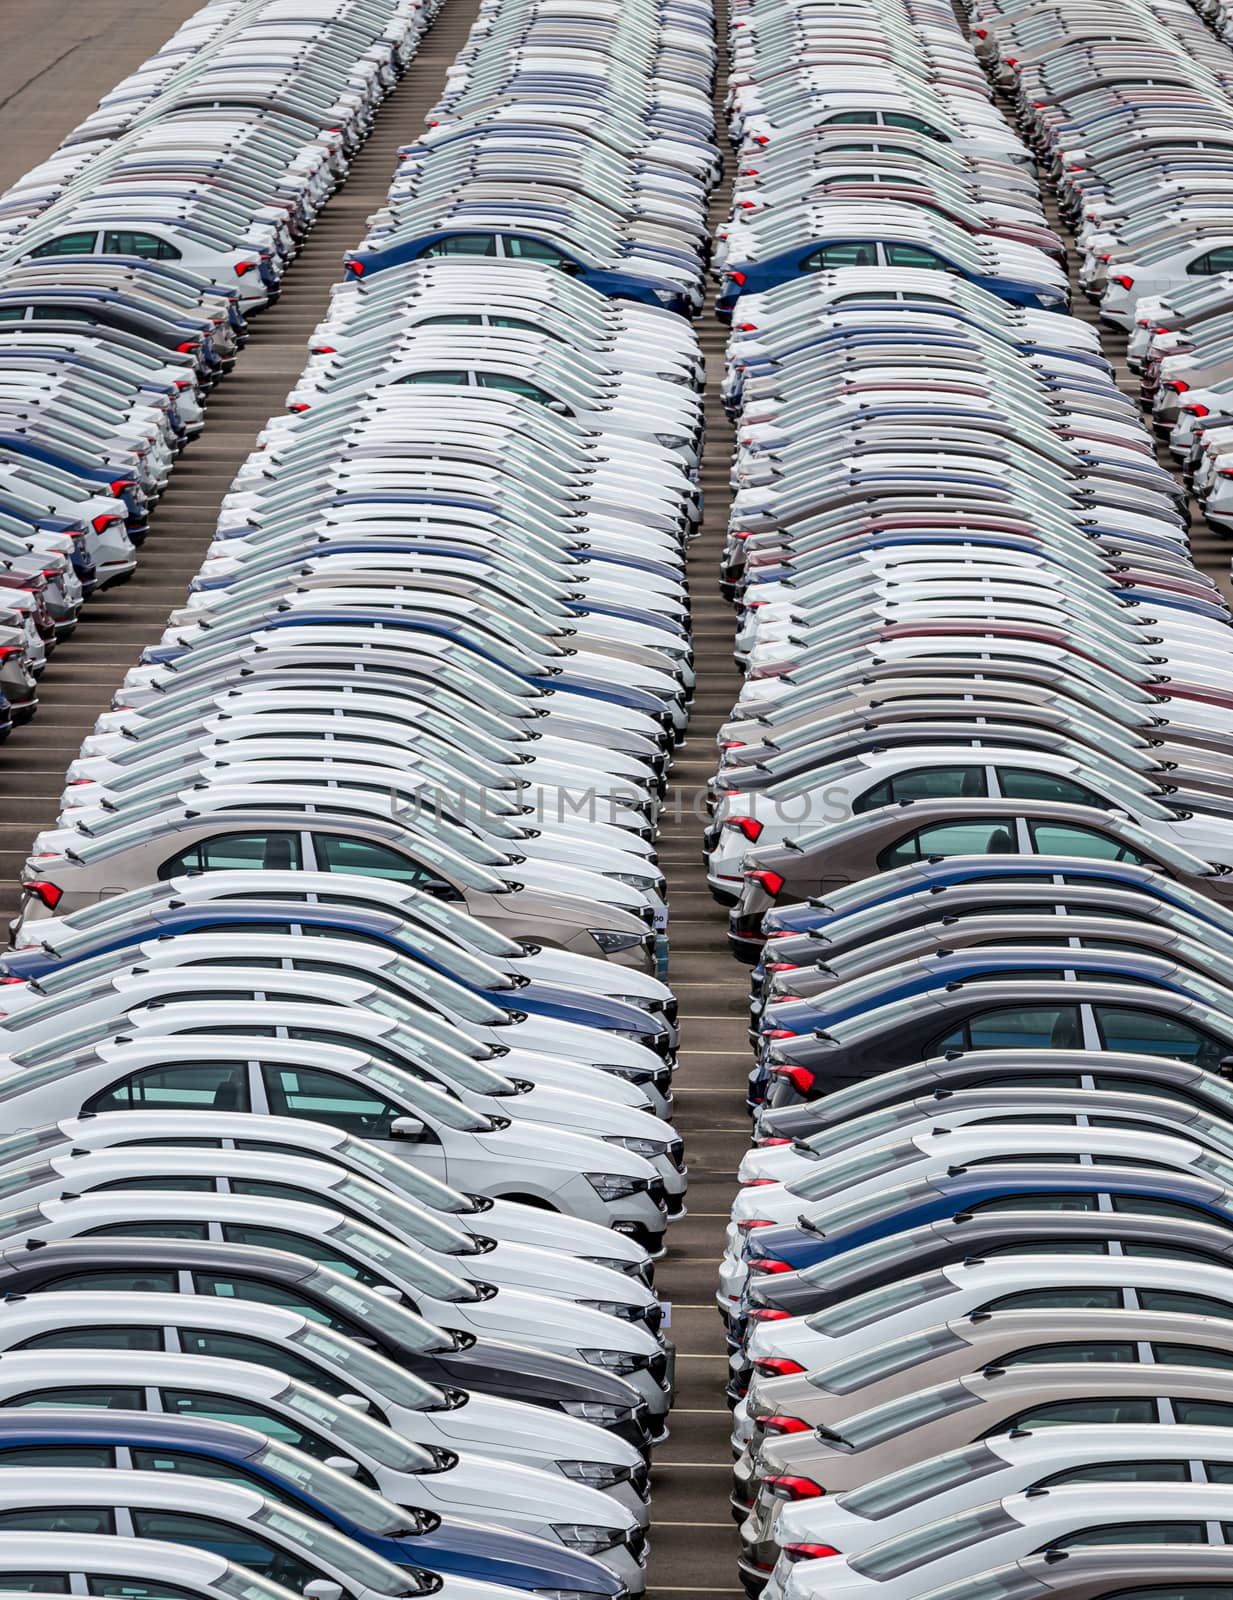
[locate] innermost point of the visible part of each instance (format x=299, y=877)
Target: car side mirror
x=407, y=1128
x=559, y=407
x=322, y=1589
x=387, y=1291
x=573, y=268
x=343, y=1464
x=1226, y=1067
x=357, y=1402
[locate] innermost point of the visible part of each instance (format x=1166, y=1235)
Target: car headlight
x=588, y=1537
x=615, y=1185
x=614, y=1308
x=635, y=1074
x=603, y=1416
x=647, y=1148
x=619, y=1361
x=666, y=297
x=598, y=1474
x=612, y=943
x=672, y=441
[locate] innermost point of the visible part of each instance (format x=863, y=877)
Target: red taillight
x=187, y=348
x=298, y=408
x=768, y=1264
x=748, y=1224
x=1126, y=283
x=1177, y=385
x=104, y=521
x=241, y=267
x=808, y=1552
x=324, y=350
x=749, y=826
x=766, y=1314
x=787, y=1486
x=772, y=882
x=737, y=278
x=777, y=1366
x=780, y=1425
x=759, y=1183
x=120, y=485
x=778, y=1033
x=1197, y=409
x=801, y=1079
x=356, y=267
x=49, y=893
x=769, y=1144
x=747, y=327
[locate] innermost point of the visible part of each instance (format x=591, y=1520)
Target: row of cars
x=337, y=1056
x=1142, y=165
x=130, y=261
x=971, y=815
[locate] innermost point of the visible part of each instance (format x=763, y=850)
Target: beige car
x=925, y=1422
x=71, y=867
x=840, y=853
x=985, y=1344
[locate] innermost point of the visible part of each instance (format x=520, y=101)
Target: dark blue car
x=813, y=255
x=489, y=242
x=221, y=1450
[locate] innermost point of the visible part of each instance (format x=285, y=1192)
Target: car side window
x=1097, y=1298
x=239, y=1347
x=1191, y=1355
x=95, y=1339
x=37, y=1583
x=68, y=244
x=976, y=837
x=1080, y=1413
x=1021, y=783
x=925, y=784
x=230, y=1287
x=201, y=1086
x=915, y=255
x=462, y=244
x=1134, y=1533
x=1128, y=1028
x=509, y=384
x=523, y=248
x=854, y=253
x=58, y=1519
x=1016, y=1028
x=1203, y=1413
x=238, y=1542
x=134, y=1589
x=96, y=1398
x=316, y=1096
x=1043, y=1202
x=116, y=1282
x=149, y=1230
x=1214, y=261
x=1185, y=1304
x=319, y=1250
x=1069, y=839
x=1053, y=1354
x=236, y=852
x=58, y=1455
x=361, y=858
x=128, y=242
x=195, y=1466
x=903, y=119
x=1120, y=1472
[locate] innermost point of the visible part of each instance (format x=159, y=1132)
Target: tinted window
x=237, y=1542
x=1021, y=783
x=201, y=1086
x=36, y=1583
x=109, y=1399
x=1104, y=1299
x=68, y=244
x=1189, y=1305
x=973, y=838
x=1052, y=1354
x=1069, y=839
x=117, y=1282
x=236, y=852
x=1147, y=1033
x=1016, y=1028
x=524, y=249
x=238, y=1347
x=58, y=1519
x=1072, y=1413
x=129, y=243
x=364, y=860
x=228, y=1287
x=318, y=1096
x=95, y=1339
x=463, y=244
x=1122, y=1472
x=925, y=785
x=58, y=1455
x=857, y=254
x=914, y=255
x=1135, y=1533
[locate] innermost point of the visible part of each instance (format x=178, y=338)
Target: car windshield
x=384, y=1317
x=372, y=1371
x=337, y=1551
x=399, y=1175
x=351, y=1500
x=910, y=1485
x=389, y=1256
x=876, y=1304
x=354, y=1431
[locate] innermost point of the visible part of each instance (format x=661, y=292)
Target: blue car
x=99, y=480
x=171, y=918
x=489, y=242
x=920, y=877
x=964, y=1189
x=814, y=255
x=222, y=1450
